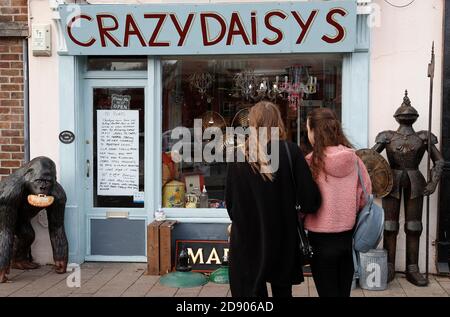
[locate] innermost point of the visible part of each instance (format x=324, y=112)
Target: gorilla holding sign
x=23, y=194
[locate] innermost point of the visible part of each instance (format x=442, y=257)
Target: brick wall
x=13, y=30
x=14, y=11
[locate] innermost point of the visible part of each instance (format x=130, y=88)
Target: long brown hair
x=264, y=114
x=327, y=132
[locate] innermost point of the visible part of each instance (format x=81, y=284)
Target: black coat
x=264, y=240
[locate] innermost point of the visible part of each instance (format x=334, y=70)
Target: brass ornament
x=379, y=171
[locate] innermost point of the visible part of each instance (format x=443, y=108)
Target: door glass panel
x=118, y=149
x=116, y=63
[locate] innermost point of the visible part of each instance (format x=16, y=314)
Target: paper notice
x=117, y=152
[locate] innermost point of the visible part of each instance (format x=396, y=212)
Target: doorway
x=114, y=123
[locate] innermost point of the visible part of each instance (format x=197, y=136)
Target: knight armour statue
x=405, y=149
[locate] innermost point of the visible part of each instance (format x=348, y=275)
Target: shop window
x=116, y=63
x=220, y=91
x=118, y=147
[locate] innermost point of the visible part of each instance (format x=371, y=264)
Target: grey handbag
x=369, y=223
x=369, y=226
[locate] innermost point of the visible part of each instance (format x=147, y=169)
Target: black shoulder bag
x=305, y=247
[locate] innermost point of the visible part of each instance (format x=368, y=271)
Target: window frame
x=213, y=215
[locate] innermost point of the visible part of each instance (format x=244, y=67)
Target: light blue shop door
x=114, y=169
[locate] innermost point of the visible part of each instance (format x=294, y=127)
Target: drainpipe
x=26, y=103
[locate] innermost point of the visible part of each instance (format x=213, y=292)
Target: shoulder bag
x=305, y=248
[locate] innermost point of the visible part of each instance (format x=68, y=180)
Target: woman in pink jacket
x=333, y=164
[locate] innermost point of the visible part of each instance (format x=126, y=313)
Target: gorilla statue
x=23, y=194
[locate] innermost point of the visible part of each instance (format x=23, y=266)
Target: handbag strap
x=297, y=205
x=361, y=181
x=356, y=262
x=304, y=241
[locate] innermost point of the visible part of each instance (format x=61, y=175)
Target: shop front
x=132, y=76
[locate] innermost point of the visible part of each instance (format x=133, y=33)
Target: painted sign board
x=204, y=255
x=206, y=244
x=189, y=29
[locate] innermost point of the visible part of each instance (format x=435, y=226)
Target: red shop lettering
x=107, y=25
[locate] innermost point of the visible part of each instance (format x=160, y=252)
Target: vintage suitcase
x=165, y=246
x=153, y=261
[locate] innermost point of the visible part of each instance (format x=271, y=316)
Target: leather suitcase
x=153, y=260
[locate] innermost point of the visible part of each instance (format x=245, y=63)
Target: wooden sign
x=204, y=255
x=206, y=244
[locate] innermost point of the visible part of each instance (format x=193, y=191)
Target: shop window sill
x=197, y=213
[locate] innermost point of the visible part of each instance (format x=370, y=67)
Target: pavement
x=130, y=280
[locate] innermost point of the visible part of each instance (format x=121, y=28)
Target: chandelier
x=201, y=82
x=296, y=84
x=245, y=84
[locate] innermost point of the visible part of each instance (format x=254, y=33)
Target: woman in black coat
x=264, y=245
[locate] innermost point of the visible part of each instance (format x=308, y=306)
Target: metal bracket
x=54, y=5
x=364, y=7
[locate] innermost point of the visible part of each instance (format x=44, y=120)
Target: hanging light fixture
x=296, y=84
x=212, y=119
x=245, y=83
x=201, y=82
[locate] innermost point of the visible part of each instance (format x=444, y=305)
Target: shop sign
x=204, y=255
x=120, y=102
x=189, y=29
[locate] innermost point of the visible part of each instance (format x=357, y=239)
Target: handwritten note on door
x=117, y=152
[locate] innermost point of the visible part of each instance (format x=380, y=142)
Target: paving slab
x=432, y=290
x=39, y=285
x=159, y=290
x=394, y=290
x=120, y=283
x=188, y=292
x=214, y=290
x=63, y=290
x=445, y=286
x=141, y=286
x=18, y=282
x=300, y=290
x=98, y=281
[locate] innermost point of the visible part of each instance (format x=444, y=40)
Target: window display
x=220, y=92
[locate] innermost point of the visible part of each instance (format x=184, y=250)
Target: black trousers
x=332, y=263
x=277, y=291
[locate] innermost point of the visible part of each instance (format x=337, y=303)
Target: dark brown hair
x=327, y=132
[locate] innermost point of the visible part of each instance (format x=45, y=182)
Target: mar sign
x=189, y=29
